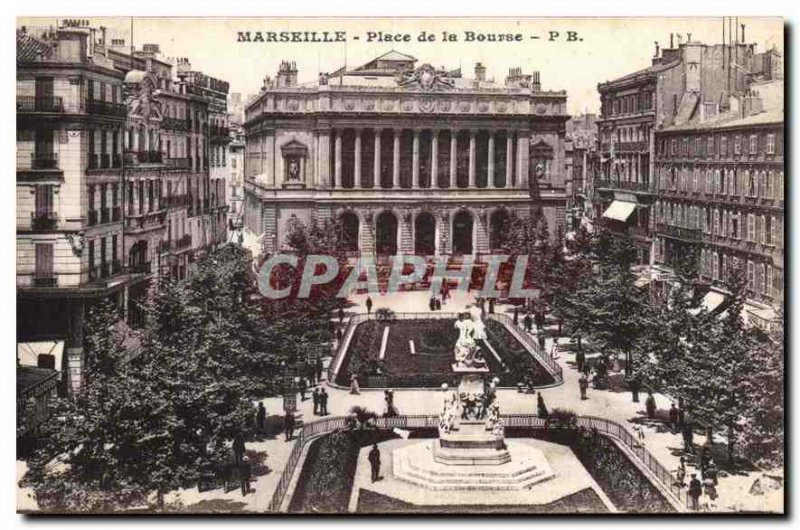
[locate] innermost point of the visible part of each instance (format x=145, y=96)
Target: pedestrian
x=712, y=472
x=323, y=403
x=319, y=369
x=516, y=316
x=369, y=305
x=680, y=473
x=261, y=417
x=688, y=437
x=541, y=408
x=341, y=314
x=238, y=447
x=527, y=322
x=288, y=424
x=432, y=303
x=639, y=433
x=315, y=398
x=338, y=335
x=491, y=306
x=374, y=458
x=354, y=389
x=673, y=417
x=583, y=383
x=695, y=490
x=438, y=304
x=650, y=405
x=580, y=360
x=302, y=386
x=710, y=491
x=541, y=342
x=244, y=475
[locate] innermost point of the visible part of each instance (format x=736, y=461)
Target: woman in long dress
x=354, y=388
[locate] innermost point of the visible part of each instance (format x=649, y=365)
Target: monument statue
x=471, y=333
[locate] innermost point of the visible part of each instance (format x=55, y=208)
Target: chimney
x=536, y=85
x=287, y=74
x=480, y=72
x=743, y=33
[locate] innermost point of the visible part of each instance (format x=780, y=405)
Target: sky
x=602, y=49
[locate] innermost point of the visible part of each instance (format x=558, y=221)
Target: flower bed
x=431, y=365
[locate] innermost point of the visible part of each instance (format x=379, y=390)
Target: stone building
x=235, y=184
x=721, y=191
x=100, y=161
x=411, y=158
x=675, y=88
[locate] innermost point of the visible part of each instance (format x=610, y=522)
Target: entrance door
x=386, y=234
x=425, y=235
x=462, y=233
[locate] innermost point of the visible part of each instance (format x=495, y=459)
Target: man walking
x=583, y=383
x=374, y=458
x=369, y=305
x=288, y=425
x=323, y=403
x=315, y=397
x=261, y=417
x=695, y=490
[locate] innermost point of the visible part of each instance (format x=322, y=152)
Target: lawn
x=431, y=363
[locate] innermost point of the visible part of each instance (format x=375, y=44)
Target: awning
x=620, y=210
x=28, y=352
x=712, y=300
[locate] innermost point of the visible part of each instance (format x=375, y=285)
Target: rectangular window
x=737, y=144
x=773, y=223
x=770, y=282
x=44, y=260
x=44, y=200
x=771, y=144
x=710, y=146
x=753, y=144
x=764, y=231
x=750, y=275
x=723, y=145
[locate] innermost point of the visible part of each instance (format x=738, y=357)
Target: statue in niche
x=294, y=170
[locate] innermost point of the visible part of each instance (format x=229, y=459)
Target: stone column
x=376, y=163
x=415, y=161
x=357, y=161
x=490, y=176
x=337, y=164
x=453, y=158
x=396, y=160
x=509, y=158
x=522, y=158
x=324, y=162
x=472, y=135
x=434, y=158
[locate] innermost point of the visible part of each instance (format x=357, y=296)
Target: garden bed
x=431, y=364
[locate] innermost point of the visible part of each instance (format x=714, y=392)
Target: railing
x=662, y=476
x=44, y=220
x=96, y=106
x=545, y=360
x=41, y=279
x=40, y=104
x=690, y=234
x=177, y=163
x=44, y=160
x=622, y=185
x=143, y=157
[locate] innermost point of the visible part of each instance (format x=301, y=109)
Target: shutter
x=44, y=260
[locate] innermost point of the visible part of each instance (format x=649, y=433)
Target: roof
x=29, y=378
x=394, y=55
x=650, y=70
x=30, y=49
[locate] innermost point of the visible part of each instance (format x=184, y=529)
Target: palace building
x=413, y=159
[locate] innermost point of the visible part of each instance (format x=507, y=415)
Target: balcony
x=143, y=157
x=106, y=108
x=40, y=104
x=141, y=268
x=177, y=163
x=44, y=160
x=686, y=234
x=184, y=242
x=45, y=279
x=44, y=220
x=622, y=185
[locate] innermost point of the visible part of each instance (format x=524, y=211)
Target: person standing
x=261, y=417
x=583, y=383
x=288, y=425
x=338, y=335
x=528, y=322
x=369, y=305
x=374, y=458
x=580, y=360
x=710, y=490
x=673, y=417
x=244, y=475
x=688, y=434
x=354, y=389
x=323, y=403
x=438, y=304
x=516, y=316
x=315, y=397
x=541, y=408
x=695, y=490
x=680, y=474
x=238, y=447
x=541, y=342
x=712, y=472
x=341, y=314
x=491, y=306
x=302, y=386
x=650, y=405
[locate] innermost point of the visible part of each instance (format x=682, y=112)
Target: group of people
x=435, y=303
x=704, y=487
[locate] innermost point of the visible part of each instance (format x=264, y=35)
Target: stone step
x=480, y=471
x=471, y=483
x=436, y=476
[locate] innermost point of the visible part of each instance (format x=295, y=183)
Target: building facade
x=412, y=159
x=101, y=172
x=721, y=192
x=235, y=184
x=676, y=87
